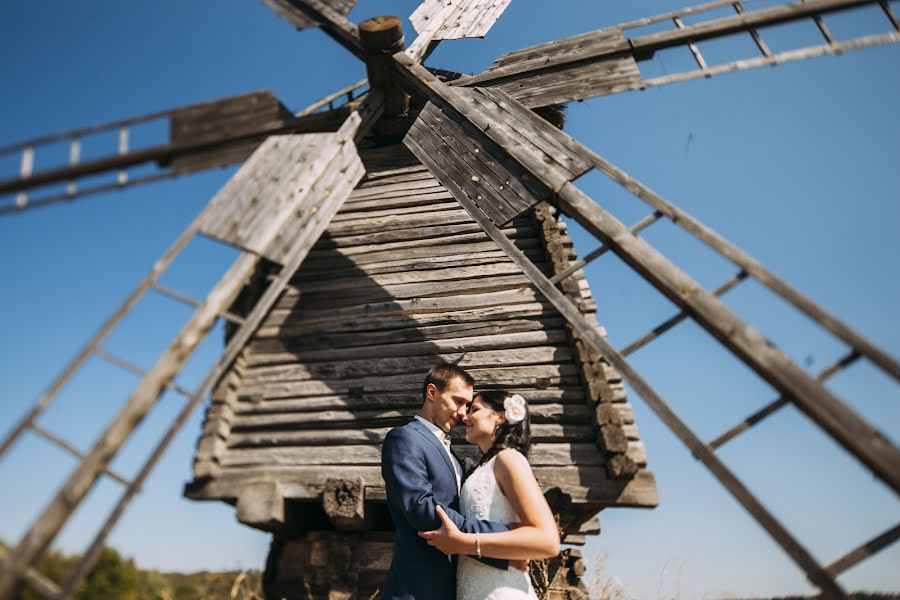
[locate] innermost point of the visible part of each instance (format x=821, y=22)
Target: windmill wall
x=403, y=278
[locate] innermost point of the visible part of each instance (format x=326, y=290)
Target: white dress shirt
x=444, y=439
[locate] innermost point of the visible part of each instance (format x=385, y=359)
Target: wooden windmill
x=383, y=230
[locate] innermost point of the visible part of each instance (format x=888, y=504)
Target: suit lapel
x=415, y=424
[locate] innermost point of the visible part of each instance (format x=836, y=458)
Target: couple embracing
x=458, y=537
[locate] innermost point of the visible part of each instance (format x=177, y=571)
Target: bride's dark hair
x=509, y=435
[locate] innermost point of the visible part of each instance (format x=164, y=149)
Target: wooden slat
x=327, y=14
x=275, y=191
x=455, y=20
x=485, y=181
x=381, y=365
x=551, y=73
x=340, y=418
x=514, y=376
x=408, y=399
x=546, y=454
x=551, y=433
x=287, y=11
x=543, y=149
x=586, y=484
x=400, y=322
x=402, y=329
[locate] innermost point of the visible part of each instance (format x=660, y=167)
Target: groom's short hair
x=442, y=374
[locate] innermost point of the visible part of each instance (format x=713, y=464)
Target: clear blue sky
x=796, y=164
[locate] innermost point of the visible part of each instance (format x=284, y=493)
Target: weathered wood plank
x=346, y=269
x=430, y=347
x=420, y=277
x=541, y=455
x=286, y=11
x=364, y=418
x=573, y=83
x=371, y=223
x=436, y=20
x=347, y=217
x=451, y=152
x=380, y=365
x=505, y=378
x=330, y=15
x=413, y=237
x=328, y=258
x=410, y=398
x=415, y=305
x=252, y=212
x=585, y=484
x=411, y=290
x=266, y=350
x=541, y=433
x=284, y=321
x=575, y=68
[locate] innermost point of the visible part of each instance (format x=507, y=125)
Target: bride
x=502, y=489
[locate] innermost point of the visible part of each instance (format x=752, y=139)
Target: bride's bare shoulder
x=512, y=459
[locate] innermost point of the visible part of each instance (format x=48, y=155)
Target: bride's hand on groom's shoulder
x=448, y=539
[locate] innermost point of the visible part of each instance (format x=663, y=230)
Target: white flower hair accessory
x=515, y=409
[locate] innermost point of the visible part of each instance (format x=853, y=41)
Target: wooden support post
x=381, y=37
x=261, y=505
x=344, y=503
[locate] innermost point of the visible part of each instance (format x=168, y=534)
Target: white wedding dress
x=481, y=498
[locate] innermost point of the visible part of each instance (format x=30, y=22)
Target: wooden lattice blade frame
x=606, y=62
x=228, y=130
x=19, y=563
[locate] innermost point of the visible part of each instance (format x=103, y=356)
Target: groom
x=421, y=473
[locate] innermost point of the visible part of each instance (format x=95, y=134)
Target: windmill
x=470, y=136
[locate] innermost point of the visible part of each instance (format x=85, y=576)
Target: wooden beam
x=646, y=45
x=332, y=22
x=382, y=37
x=261, y=505
x=862, y=440
x=344, y=503
x=165, y=153
x=643, y=47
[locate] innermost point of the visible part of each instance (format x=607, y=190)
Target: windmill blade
x=329, y=15
x=436, y=20
x=605, y=62
x=301, y=20
x=496, y=158
x=277, y=217
x=201, y=136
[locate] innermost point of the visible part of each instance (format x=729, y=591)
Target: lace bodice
x=482, y=499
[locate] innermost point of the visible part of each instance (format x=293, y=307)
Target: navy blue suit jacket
x=419, y=476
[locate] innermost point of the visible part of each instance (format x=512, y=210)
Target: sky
x=795, y=164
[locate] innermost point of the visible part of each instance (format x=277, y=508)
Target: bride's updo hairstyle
x=516, y=435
